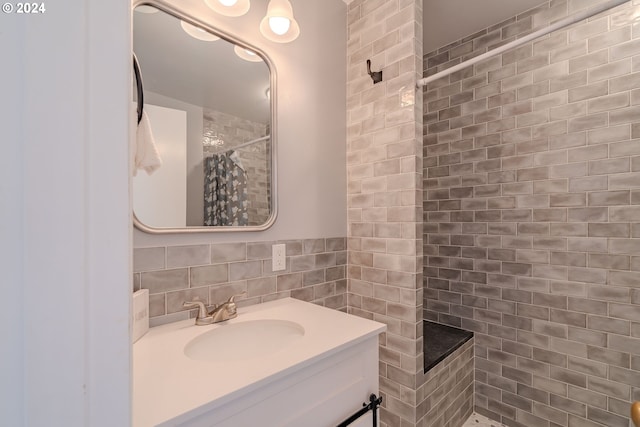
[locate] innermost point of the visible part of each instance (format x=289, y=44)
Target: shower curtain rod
x=253, y=141
x=555, y=26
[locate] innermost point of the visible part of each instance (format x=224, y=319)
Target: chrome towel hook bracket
x=376, y=76
x=139, y=87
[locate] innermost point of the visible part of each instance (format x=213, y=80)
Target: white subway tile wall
x=531, y=210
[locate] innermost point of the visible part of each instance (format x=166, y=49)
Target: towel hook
x=376, y=76
x=139, y=87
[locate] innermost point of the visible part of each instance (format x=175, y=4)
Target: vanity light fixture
x=229, y=7
x=198, y=33
x=279, y=25
x=246, y=54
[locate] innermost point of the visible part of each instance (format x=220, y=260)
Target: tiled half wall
x=532, y=208
x=448, y=389
x=315, y=271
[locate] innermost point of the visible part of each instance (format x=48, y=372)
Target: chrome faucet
x=225, y=311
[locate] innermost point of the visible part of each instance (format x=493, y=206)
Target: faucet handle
x=202, y=309
x=241, y=294
x=232, y=309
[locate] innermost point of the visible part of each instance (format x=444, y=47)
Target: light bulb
x=279, y=25
x=229, y=7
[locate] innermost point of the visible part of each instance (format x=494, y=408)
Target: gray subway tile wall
x=531, y=209
x=255, y=158
x=384, y=195
x=315, y=271
x=448, y=389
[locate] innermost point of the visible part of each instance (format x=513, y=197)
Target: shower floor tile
x=477, y=420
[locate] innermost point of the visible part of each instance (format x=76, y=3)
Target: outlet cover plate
x=278, y=257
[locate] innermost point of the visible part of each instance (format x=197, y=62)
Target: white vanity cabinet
x=322, y=394
x=318, y=380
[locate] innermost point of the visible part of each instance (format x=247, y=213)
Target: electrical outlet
x=278, y=257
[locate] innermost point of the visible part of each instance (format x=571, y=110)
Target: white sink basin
x=244, y=340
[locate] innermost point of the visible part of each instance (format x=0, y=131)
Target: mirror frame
x=178, y=14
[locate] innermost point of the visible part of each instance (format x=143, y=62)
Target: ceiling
x=443, y=22
x=203, y=73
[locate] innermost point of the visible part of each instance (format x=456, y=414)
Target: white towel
x=145, y=153
x=235, y=158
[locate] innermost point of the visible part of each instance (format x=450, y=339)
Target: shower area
x=237, y=170
x=531, y=207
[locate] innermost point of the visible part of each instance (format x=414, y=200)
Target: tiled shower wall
x=531, y=209
x=384, y=195
x=315, y=271
x=255, y=158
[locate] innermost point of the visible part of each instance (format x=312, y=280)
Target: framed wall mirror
x=209, y=103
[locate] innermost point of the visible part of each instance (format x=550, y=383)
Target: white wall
x=195, y=174
x=11, y=224
x=160, y=199
x=311, y=129
x=66, y=222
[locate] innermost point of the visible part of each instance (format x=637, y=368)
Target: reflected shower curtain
x=225, y=190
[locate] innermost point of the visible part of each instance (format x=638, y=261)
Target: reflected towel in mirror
x=233, y=155
x=145, y=152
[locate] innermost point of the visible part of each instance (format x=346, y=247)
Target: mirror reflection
x=207, y=103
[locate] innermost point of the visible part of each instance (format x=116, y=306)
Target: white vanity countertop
x=167, y=384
